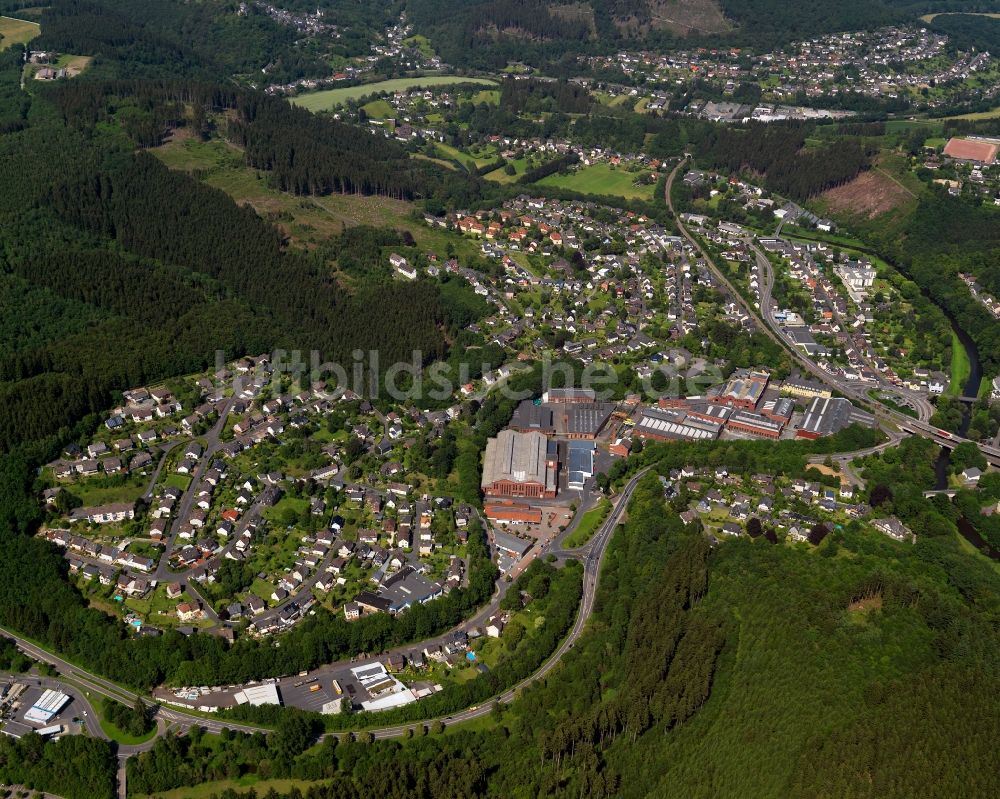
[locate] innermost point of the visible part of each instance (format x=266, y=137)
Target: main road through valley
x=847, y=388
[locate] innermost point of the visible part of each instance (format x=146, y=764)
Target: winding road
x=591, y=555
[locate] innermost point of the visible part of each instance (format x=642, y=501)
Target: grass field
x=438, y=161
x=92, y=493
x=446, y=151
x=378, y=109
x=17, y=31
x=520, y=167
x=960, y=367
x=588, y=525
x=601, y=179
x=488, y=96
x=331, y=98
x=243, y=784
x=422, y=43
x=181, y=481
x=993, y=113
x=118, y=735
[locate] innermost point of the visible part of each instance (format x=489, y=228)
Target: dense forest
x=475, y=34
x=968, y=32
x=859, y=667
x=169, y=293
x=74, y=766
x=171, y=38
x=776, y=151
x=536, y=96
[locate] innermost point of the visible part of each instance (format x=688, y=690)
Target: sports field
x=331, y=98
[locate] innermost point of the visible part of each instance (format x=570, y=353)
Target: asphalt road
x=919, y=402
x=847, y=388
x=212, y=445
x=591, y=555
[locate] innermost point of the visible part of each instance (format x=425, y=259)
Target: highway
x=846, y=387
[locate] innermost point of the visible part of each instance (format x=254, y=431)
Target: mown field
x=243, y=784
x=16, y=31
x=331, y=98
x=601, y=179
x=961, y=368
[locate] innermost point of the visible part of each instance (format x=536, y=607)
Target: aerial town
x=499, y=399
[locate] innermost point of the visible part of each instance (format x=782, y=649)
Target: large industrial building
x=799, y=387
x=754, y=424
x=579, y=463
x=569, y=395
x=744, y=389
x=257, y=695
x=826, y=415
x=574, y=420
x=671, y=425
x=520, y=465
x=509, y=512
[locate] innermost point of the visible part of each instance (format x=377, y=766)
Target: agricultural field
x=601, y=179
x=331, y=98
x=16, y=31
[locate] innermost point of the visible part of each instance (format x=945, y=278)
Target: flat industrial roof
x=827, y=415
x=515, y=456
x=677, y=425
x=46, y=706
x=580, y=457
x=511, y=543
x=256, y=695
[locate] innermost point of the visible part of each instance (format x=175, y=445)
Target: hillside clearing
x=930, y=17
x=684, y=17
x=870, y=194
x=17, y=31
x=306, y=220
